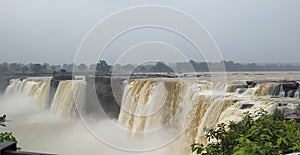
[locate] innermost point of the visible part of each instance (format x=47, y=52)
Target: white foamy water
x=37, y=130
x=156, y=113
x=37, y=89
x=68, y=94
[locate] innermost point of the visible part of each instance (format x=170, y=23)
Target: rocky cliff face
x=4, y=82
x=100, y=88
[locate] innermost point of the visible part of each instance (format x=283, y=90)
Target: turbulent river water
x=158, y=116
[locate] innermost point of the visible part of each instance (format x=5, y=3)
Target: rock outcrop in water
x=99, y=91
x=4, y=82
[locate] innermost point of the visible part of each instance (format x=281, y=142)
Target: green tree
x=14, y=67
x=82, y=66
x=36, y=68
x=4, y=67
x=260, y=133
x=128, y=67
x=62, y=71
x=92, y=67
x=24, y=69
x=161, y=67
x=45, y=67
x=103, y=67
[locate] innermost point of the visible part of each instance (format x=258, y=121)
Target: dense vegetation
x=259, y=133
x=6, y=136
x=102, y=67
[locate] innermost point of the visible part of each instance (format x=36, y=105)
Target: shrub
x=258, y=133
x=6, y=136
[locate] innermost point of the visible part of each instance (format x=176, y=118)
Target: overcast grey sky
x=245, y=31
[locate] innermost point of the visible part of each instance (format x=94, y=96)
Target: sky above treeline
x=248, y=31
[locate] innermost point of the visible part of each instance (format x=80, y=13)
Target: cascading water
x=69, y=94
x=281, y=92
x=36, y=88
x=147, y=105
x=297, y=94
x=267, y=89
x=150, y=104
x=231, y=88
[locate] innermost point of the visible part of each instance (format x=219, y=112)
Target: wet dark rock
x=242, y=90
x=4, y=82
x=298, y=84
x=63, y=77
x=282, y=104
x=291, y=93
x=290, y=85
x=250, y=84
x=99, y=91
x=246, y=106
x=292, y=114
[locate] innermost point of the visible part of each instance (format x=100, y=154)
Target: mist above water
x=37, y=130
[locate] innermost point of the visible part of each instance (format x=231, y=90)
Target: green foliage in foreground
x=6, y=136
x=266, y=135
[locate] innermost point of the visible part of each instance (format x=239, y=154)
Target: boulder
x=246, y=106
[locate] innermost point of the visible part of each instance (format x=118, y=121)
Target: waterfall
x=193, y=106
x=270, y=89
x=36, y=88
x=186, y=105
x=281, y=91
x=69, y=95
x=147, y=105
x=231, y=88
x=297, y=94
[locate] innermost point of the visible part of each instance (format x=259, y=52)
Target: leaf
x=199, y=151
x=278, y=142
x=284, y=141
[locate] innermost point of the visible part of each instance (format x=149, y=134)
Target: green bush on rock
x=258, y=133
x=6, y=136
